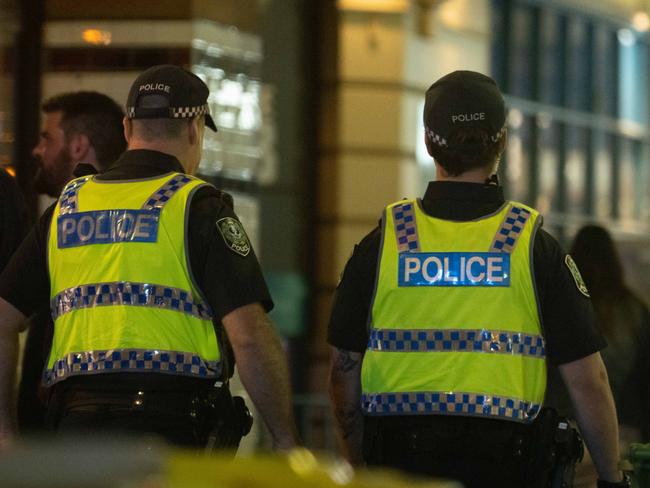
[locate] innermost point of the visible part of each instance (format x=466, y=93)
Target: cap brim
x=210, y=123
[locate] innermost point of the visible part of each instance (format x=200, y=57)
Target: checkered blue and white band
x=128, y=294
x=449, y=403
x=510, y=229
x=439, y=140
x=178, y=112
x=406, y=230
x=131, y=360
x=69, y=196
x=456, y=340
x=161, y=196
x=68, y=201
x=505, y=239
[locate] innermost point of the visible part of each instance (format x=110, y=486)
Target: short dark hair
x=158, y=129
x=155, y=129
x=94, y=115
x=468, y=148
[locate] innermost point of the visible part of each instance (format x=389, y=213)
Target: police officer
x=81, y=133
x=447, y=313
x=150, y=279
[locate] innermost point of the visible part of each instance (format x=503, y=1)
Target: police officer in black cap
x=447, y=314
x=152, y=283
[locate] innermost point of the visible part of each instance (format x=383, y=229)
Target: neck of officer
x=173, y=147
x=475, y=175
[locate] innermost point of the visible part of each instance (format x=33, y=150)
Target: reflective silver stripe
x=449, y=403
x=69, y=196
x=139, y=360
x=456, y=340
x=406, y=229
x=127, y=293
x=161, y=196
x=507, y=236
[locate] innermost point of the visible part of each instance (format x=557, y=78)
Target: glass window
x=627, y=187
x=605, y=77
x=548, y=164
x=575, y=170
x=602, y=175
x=578, y=70
x=633, y=74
x=517, y=164
x=520, y=82
x=589, y=153
x=552, y=58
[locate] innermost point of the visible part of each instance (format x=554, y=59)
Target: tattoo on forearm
x=347, y=416
x=344, y=361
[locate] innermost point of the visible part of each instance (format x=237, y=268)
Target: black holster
x=569, y=451
x=227, y=418
x=555, y=448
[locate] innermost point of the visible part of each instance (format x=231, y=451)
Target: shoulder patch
x=577, y=277
x=234, y=236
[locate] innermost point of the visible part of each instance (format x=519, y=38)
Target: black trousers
x=175, y=429
x=31, y=409
x=183, y=418
x=477, y=452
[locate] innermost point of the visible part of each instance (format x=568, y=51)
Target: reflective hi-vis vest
x=454, y=326
x=121, y=294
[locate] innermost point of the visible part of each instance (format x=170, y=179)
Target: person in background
x=81, y=133
x=447, y=314
x=624, y=320
x=14, y=217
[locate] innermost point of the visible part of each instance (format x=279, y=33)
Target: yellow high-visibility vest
x=122, y=297
x=454, y=326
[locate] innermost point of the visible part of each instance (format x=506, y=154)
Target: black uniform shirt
x=226, y=279
x=568, y=322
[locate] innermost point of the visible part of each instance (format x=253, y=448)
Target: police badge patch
x=234, y=235
x=577, y=277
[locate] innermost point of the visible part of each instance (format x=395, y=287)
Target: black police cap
x=184, y=95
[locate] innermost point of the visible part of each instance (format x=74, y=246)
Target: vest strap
x=456, y=340
x=69, y=196
x=406, y=229
x=134, y=360
x=510, y=229
x=449, y=403
x=161, y=196
x=127, y=293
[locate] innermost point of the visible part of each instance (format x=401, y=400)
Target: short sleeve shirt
x=567, y=317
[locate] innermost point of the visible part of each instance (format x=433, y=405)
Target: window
x=577, y=89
